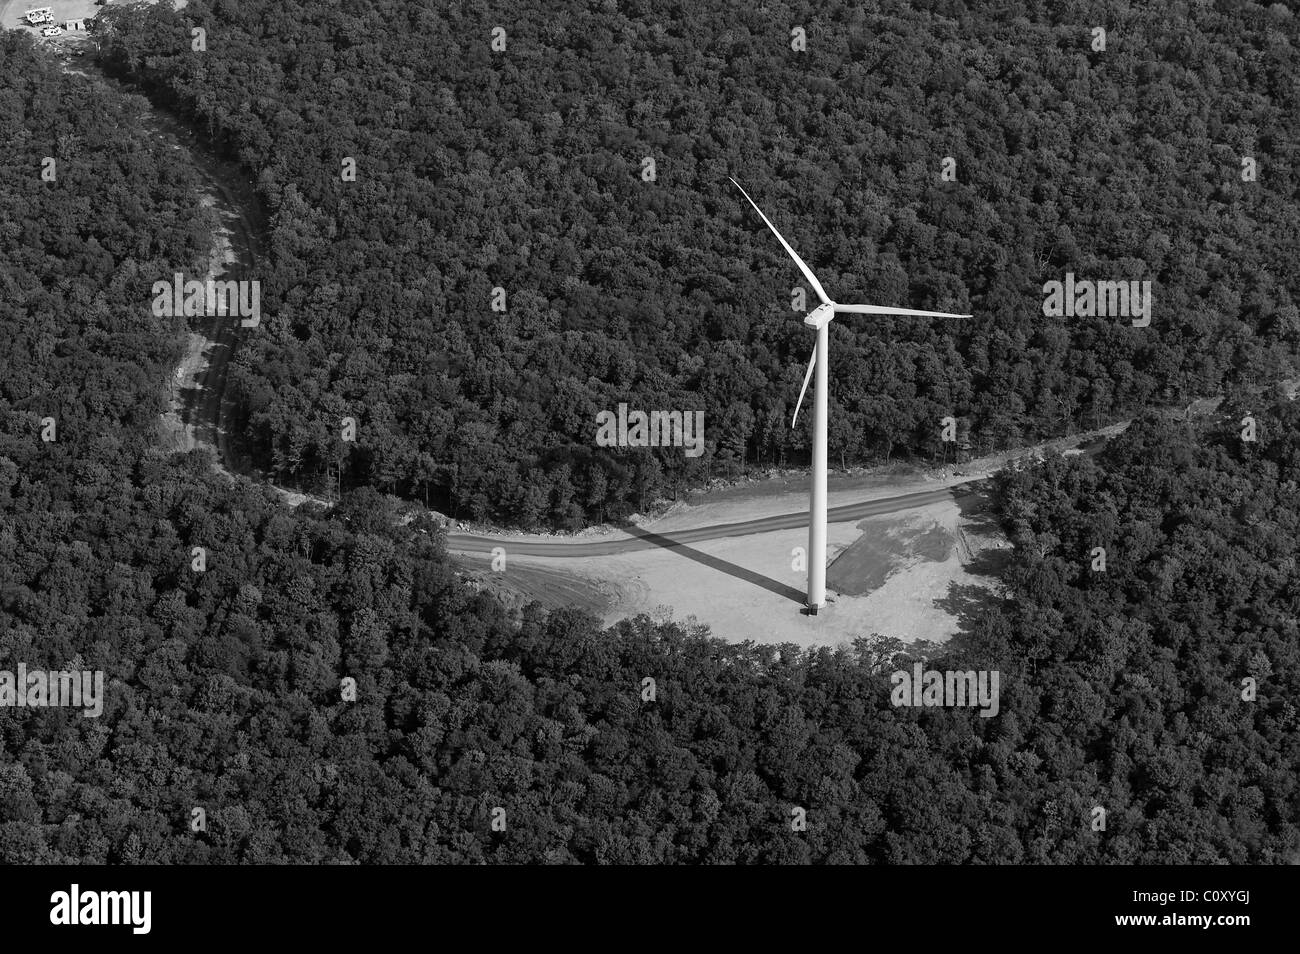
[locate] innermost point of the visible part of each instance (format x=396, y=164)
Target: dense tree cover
x=80, y=255
x=1136, y=688
x=1119, y=689
x=522, y=170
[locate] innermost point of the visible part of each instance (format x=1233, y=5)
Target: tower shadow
x=716, y=563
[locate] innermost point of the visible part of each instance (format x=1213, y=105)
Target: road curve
x=208, y=411
x=206, y=408
x=646, y=540
x=222, y=331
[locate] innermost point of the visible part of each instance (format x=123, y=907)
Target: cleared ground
x=887, y=546
x=920, y=566
x=748, y=587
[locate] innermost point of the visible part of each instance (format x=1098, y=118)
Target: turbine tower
x=820, y=319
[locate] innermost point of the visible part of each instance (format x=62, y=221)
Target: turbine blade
x=807, y=272
x=882, y=310
x=804, y=390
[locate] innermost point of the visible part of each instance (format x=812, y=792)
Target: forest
x=523, y=170
x=1121, y=689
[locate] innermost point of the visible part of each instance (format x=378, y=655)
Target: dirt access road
x=646, y=540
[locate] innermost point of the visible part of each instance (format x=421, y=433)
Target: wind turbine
x=820, y=318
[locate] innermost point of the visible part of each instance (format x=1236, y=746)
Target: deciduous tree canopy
x=522, y=170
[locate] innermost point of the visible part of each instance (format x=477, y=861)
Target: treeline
x=523, y=170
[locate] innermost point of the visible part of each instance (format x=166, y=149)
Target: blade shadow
x=717, y=563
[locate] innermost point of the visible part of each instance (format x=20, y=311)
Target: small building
x=71, y=25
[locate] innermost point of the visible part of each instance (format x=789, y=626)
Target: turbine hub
x=820, y=316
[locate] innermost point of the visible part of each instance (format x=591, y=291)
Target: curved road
x=206, y=410
x=645, y=540
x=209, y=410
x=205, y=406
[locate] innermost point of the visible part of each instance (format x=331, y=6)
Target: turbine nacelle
x=820, y=316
